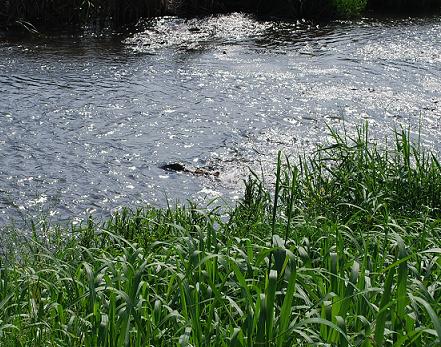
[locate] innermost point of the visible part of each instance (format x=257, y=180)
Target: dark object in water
x=178, y=167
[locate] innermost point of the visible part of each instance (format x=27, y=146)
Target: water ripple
x=85, y=122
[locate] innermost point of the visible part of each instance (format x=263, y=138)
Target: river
x=87, y=120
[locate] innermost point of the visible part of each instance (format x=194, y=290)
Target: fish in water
x=178, y=167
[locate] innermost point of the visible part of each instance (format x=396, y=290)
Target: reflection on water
x=85, y=122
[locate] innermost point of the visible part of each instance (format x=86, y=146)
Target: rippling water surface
x=86, y=121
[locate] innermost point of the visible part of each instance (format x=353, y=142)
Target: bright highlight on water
x=86, y=122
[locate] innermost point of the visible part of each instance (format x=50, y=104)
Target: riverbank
x=26, y=14
x=343, y=249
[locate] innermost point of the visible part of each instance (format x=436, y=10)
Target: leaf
x=285, y=312
x=432, y=314
x=382, y=314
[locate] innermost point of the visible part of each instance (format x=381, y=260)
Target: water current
x=87, y=120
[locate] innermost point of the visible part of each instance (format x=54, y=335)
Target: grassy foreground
x=345, y=251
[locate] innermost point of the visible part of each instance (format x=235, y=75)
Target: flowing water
x=86, y=121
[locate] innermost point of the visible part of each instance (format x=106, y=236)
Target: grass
x=343, y=250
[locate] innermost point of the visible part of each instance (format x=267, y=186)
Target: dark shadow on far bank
x=30, y=15
x=408, y=7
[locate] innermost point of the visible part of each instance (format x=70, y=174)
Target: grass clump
x=350, y=8
x=344, y=250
